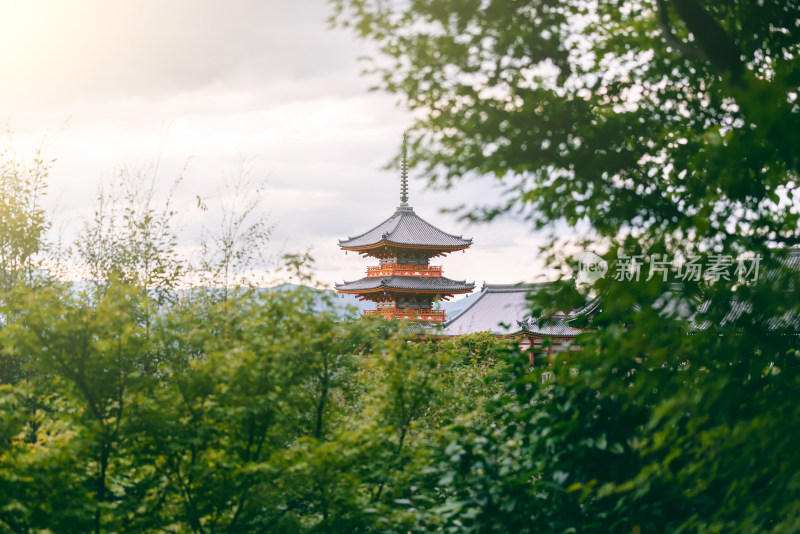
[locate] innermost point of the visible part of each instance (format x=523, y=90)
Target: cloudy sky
x=212, y=83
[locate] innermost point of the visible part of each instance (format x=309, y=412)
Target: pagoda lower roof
x=418, y=284
x=405, y=227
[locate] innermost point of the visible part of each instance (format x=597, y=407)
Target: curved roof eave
x=407, y=228
x=379, y=244
x=440, y=285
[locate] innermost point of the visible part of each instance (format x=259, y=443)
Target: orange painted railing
x=404, y=270
x=412, y=314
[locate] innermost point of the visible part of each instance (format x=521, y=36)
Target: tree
x=671, y=128
x=23, y=221
x=563, y=97
x=265, y=411
x=130, y=406
x=234, y=251
x=132, y=236
x=84, y=364
x=23, y=225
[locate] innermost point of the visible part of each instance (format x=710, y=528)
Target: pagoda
x=404, y=285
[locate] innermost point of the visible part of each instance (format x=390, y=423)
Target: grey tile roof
x=559, y=328
x=785, y=269
x=498, y=309
x=503, y=309
x=405, y=227
x=496, y=306
x=589, y=308
x=793, y=259
x=789, y=321
x=417, y=283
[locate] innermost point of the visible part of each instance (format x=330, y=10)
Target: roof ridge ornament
x=404, y=174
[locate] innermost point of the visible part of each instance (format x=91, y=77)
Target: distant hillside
x=344, y=301
x=455, y=307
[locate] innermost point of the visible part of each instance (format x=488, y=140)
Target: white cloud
x=213, y=83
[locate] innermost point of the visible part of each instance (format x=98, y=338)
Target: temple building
x=405, y=285
x=503, y=310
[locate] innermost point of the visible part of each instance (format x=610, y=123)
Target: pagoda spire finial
x=404, y=174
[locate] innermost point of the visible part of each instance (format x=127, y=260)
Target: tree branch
x=720, y=49
x=673, y=40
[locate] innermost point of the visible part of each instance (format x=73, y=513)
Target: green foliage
x=479, y=347
x=256, y=413
x=129, y=406
x=671, y=129
x=132, y=235
x=586, y=112
x=671, y=126
x=610, y=445
x=23, y=221
x=235, y=249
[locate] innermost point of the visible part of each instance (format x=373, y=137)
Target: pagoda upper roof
x=433, y=284
x=405, y=227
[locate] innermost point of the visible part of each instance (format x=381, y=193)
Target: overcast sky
x=215, y=83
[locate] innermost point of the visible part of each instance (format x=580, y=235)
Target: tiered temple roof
x=438, y=285
x=405, y=285
x=405, y=229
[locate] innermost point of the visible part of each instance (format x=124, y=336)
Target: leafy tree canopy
x=677, y=116
x=671, y=128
